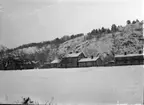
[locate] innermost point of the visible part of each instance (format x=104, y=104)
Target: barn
x=55, y=63
x=71, y=59
x=10, y=63
x=129, y=59
x=46, y=65
x=89, y=62
x=27, y=64
x=110, y=63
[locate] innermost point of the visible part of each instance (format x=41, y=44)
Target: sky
x=27, y=21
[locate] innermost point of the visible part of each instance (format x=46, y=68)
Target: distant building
x=110, y=63
x=11, y=63
x=46, y=65
x=28, y=64
x=71, y=59
x=129, y=59
x=36, y=64
x=55, y=63
x=89, y=62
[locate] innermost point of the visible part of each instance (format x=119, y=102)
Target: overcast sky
x=26, y=21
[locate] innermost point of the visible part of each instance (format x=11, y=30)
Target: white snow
x=75, y=86
x=29, y=50
x=56, y=61
x=88, y=59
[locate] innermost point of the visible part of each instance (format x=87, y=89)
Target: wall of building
x=133, y=60
x=87, y=64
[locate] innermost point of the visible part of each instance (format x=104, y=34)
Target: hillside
x=118, y=40
x=126, y=39
x=3, y=48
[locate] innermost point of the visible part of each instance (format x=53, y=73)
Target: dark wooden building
x=16, y=63
x=129, y=59
x=89, y=62
x=36, y=64
x=110, y=63
x=71, y=59
x=46, y=65
x=55, y=63
x=10, y=63
x=28, y=64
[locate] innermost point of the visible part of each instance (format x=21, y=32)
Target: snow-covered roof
x=55, y=61
x=34, y=61
x=73, y=55
x=129, y=55
x=88, y=59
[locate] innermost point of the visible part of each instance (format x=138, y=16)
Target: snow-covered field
x=93, y=85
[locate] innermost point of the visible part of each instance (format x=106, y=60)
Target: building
x=17, y=63
x=55, y=63
x=129, y=59
x=46, y=65
x=1, y=65
x=11, y=63
x=36, y=64
x=110, y=63
x=89, y=62
x=27, y=64
x=71, y=59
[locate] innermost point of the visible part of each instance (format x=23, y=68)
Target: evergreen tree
x=103, y=29
x=108, y=30
x=133, y=22
x=114, y=28
x=128, y=22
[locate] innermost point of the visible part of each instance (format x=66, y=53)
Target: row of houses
x=129, y=59
x=72, y=60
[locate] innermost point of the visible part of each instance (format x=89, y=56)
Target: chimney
x=92, y=57
x=140, y=52
x=70, y=52
x=77, y=51
x=125, y=53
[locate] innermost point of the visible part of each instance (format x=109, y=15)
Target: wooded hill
x=116, y=40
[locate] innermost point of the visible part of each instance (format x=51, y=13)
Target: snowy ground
x=93, y=85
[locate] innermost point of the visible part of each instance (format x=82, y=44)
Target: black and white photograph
x=72, y=52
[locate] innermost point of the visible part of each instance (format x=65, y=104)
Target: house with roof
x=71, y=59
x=129, y=59
x=11, y=63
x=91, y=61
x=55, y=63
x=46, y=65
